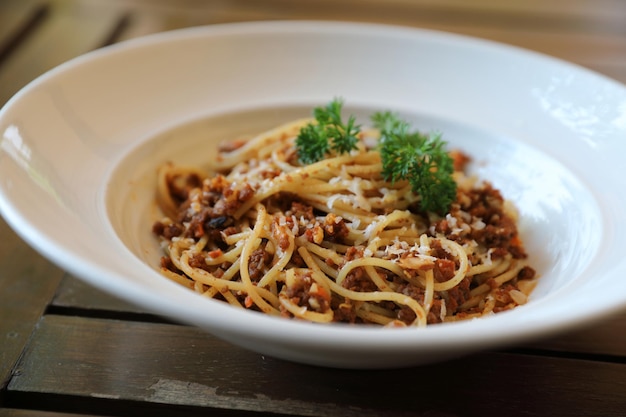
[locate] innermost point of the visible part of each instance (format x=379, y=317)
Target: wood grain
x=74, y=294
x=17, y=21
x=64, y=34
x=12, y=412
x=26, y=287
x=160, y=363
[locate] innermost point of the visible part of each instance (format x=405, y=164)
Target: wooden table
x=67, y=349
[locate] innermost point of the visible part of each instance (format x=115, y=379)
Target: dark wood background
x=67, y=349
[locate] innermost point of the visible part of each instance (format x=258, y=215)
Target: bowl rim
x=437, y=337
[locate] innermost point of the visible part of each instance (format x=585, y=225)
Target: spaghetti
x=333, y=241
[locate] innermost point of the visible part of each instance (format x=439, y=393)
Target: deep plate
x=80, y=145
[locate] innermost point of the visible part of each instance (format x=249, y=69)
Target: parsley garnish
x=413, y=156
x=419, y=158
x=328, y=134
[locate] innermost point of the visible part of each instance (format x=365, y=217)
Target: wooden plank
x=141, y=363
x=74, y=294
x=66, y=33
x=13, y=412
x=490, y=14
x=581, y=15
x=18, y=19
x=586, y=42
x=27, y=283
x=149, y=21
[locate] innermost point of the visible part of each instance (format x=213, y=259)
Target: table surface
x=67, y=349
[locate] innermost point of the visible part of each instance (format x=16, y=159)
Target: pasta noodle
x=333, y=241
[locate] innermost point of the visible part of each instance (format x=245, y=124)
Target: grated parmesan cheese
x=478, y=224
x=518, y=297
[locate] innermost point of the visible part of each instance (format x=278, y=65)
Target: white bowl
x=79, y=147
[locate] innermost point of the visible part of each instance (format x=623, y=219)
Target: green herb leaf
x=419, y=158
x=312, y=143
x=329, y=134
